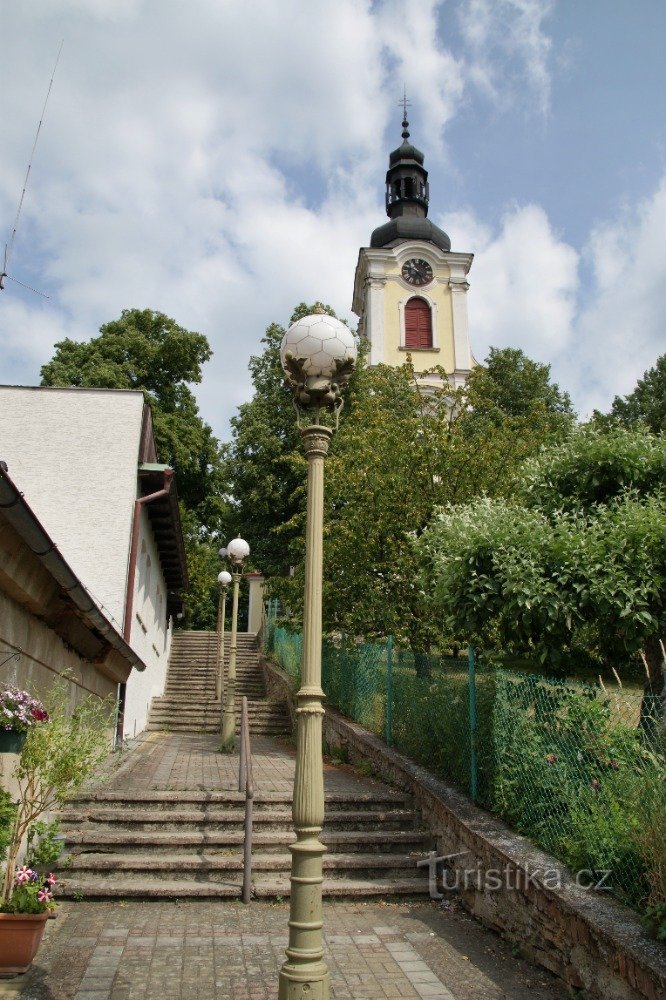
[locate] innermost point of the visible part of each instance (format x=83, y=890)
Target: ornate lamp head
x=318, y=354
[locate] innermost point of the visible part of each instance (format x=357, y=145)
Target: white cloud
x=525, y=292
x=621, y=330
x=523, y=282
x=509, y=49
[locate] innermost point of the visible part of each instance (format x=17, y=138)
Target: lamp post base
x=297, y=984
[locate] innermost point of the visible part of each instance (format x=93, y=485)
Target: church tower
x=410, y=290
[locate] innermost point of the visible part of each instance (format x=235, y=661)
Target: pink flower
x=44, y=896
x=23, y=875
x=51, y=879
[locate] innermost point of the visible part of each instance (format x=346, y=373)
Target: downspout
x=131, y=576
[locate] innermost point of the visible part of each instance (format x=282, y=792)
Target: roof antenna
x=405, y=104
x=10, y=245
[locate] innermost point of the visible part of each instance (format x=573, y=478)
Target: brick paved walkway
x=215, y=949
x=200, y=951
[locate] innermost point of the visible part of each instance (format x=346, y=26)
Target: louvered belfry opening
x=418, y=324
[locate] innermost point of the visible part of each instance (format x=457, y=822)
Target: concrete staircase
x=126, y=842
x=188, y=703
x=184, y=845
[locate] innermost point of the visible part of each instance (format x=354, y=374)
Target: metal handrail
x=246, y=784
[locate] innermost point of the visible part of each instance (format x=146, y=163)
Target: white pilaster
x=375, y=314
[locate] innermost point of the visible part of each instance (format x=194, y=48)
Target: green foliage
x=509, y=384
x=44, y=845
x=569, y=773
x=396, y=457
x=58, y=756
x=514, y=580
x=593, y=467
x=646, y=404
x=655, y=920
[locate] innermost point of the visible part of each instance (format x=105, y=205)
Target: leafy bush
x=58, y=756
x=44, y=844
x=576, y=779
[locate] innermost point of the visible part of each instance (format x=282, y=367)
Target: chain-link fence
x=578, y=769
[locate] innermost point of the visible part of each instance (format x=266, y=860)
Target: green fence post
x=473, y=768
x=388, y=720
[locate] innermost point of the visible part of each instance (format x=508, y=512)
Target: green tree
x=398, y=455
x=576, y=562
x=148, y=351
x=647, y=402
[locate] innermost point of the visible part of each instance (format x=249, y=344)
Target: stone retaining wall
x=586, y=938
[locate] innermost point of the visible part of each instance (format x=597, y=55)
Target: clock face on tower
x=417, y=271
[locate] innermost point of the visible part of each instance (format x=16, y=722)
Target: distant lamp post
x=224, y=579
x=318, y=354
x=237, y=552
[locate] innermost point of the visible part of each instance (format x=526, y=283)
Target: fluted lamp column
x=237, y=551
x=224, y=579
x=318, y=354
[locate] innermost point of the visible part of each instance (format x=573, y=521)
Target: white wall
x=150, y=637
x=74, y=452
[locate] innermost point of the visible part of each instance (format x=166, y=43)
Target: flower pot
x=11, y=741
x=20, y=937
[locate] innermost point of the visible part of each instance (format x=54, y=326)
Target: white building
x=86, y=460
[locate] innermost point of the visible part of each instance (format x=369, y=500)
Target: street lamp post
x=237, y=551
x=318, y=354
x=224, y=579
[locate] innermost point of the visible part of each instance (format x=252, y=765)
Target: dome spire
x=405, y=124
x=407, y=195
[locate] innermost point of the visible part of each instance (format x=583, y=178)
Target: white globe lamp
x=238, y=550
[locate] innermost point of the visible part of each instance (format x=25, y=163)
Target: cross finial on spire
x=405, y=104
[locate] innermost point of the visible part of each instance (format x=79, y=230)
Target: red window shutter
x=418, y=324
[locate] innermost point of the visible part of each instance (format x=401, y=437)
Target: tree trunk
x=653, y=706
x=421, y=662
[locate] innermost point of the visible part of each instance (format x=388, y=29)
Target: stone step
x=151, y=841
x=217, y=867
x=173, y=726
x=267, y=888
x=211, y=710
x=380, y=798
x=108, y=818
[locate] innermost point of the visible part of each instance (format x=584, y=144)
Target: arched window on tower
x=418, y=325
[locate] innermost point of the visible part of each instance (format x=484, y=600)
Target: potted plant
x=23, y=918
x=58, y=756
x=18, y=712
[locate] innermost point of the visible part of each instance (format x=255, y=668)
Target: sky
x=222, y=162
